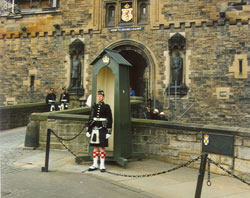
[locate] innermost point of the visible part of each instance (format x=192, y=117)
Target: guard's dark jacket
x=50, y=97
x=163, y=118
x=101, y=110
x=64, y=96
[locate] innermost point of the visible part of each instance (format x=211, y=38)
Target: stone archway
x=142, y=74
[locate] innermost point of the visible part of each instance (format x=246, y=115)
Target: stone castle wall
x=217, y=93
x=180, y=144
x=168, y=141
x=18, y=115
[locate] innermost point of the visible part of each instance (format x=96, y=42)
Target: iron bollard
x=45, y=169
x=201, y=175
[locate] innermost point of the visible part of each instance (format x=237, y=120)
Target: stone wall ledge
x=70, y=114
x=17, y=106
x=191, y=127
x=181, y=127
x=68, y=117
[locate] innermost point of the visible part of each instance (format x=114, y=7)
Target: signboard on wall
x=218, y=144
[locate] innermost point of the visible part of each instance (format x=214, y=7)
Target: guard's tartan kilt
x=102, y=135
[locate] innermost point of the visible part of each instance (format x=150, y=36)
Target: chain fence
x=227, y=171
x=157, y=173
x=60, y=139
x=209, y=183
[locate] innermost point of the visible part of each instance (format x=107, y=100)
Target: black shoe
x=92, y=168
x=103, y=170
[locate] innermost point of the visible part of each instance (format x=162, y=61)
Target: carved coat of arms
x=127, y=13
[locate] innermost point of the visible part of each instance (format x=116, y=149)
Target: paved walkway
x=22, y=177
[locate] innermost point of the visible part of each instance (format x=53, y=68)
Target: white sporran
x=95, y=139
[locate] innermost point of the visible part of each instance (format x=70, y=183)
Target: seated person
x=162, y=116
x=152, y=115
x=155, y=114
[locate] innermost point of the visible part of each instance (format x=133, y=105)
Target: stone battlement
x=169, y=25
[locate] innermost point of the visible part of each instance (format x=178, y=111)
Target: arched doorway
x=142, y=73
x=136, y=73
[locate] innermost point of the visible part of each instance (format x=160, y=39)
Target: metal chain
x=209, y=183
x=60, y=138
x=158, y=173
x=145, y=175
x=67, y=148
x=227, y=171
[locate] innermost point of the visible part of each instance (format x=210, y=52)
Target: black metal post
x=201, y=175
x=45, y=169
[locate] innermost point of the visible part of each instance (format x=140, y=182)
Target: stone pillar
x=32, y=135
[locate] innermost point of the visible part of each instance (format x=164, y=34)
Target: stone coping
x=189, y=127
x=63, y=116
x=192, y=127
x=70, y=114
x=73, y=114
x=23, y=105
x=81, y=110
x=134, y=98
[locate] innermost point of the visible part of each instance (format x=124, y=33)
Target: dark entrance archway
x=137, y=80
x=142, y=73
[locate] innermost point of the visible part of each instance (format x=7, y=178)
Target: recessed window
x=143, y=9
x=112, y=12
x=110, y=15
x=142, y=13
x=240, y=66
x=223, y=94
x=32, y=81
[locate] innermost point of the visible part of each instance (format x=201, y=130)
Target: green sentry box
x=111, y=74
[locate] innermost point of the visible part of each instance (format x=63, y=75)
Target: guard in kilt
x=99, y=130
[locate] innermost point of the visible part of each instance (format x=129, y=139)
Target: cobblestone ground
x=11, y=150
